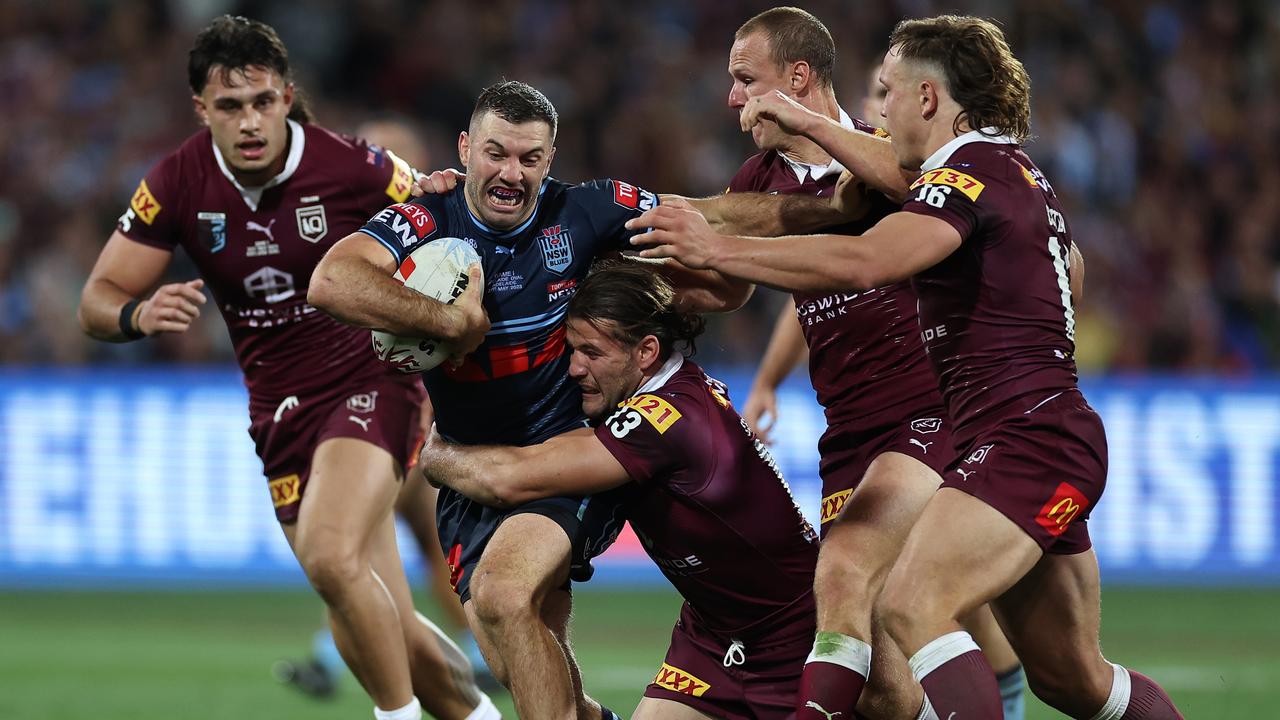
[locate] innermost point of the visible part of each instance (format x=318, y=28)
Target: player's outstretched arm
x=575, y=463
x=898, y=247
x=868, y=157
x=786, y=350
x=762, y=214
x=111, y=304
x=353, y=283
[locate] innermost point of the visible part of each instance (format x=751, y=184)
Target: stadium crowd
x=1157, y=120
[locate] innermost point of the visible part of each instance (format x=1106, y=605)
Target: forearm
x=360, y=293
x=762, y=214
x=486, y=474
x=786, y=349
x=99, y=313
x=868, y=157
x=806, y=263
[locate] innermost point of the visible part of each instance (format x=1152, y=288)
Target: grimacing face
x=246, y=111
x=506, y=164
x=607, y=371
x=754, y=73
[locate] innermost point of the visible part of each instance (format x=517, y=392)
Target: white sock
x=843, y=650
x=412, y=711
x=1118, y=701
x=485, y=710
x=939, y=651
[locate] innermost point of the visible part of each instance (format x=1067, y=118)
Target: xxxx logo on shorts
x=1066, y=505
x=833, y=504
x=677, y=680
x=285, y=490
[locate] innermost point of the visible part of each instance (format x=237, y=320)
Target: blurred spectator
x=1157, y=121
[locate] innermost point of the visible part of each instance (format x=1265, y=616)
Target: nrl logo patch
x=311, y=223
x=557, y=248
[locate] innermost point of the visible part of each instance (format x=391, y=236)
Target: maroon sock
x=827, y=689
x=958, y=679
x=1148, y=701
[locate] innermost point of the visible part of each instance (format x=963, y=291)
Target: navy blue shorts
x=591, y=523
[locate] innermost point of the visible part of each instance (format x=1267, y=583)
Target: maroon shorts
x=1044, y=469
x=699, y=671
x=382, y=410
x=846, y=453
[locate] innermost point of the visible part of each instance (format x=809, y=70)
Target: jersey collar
x=817, y=172
x=253, y=195
x=669, y=368
x=944, y=153
x=513, y=232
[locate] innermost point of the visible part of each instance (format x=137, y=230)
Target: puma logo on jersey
x=924, y=447
x=964, y=475
x=285, y=406
x=819, y=708
x=264, y=229
x=362, y=422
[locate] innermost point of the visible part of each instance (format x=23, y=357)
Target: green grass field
x=197, y=656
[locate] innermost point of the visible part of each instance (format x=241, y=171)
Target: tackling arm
x=574, y=463
x=898, y=247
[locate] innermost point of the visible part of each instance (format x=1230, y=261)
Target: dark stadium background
x=1156, y=120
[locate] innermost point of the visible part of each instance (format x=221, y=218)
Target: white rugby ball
x=437, y=270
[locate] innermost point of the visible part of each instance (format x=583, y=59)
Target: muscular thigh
x=662, y=709
x=1051, y=615
x=528, y=551
x=874, y=523
x=351, y=492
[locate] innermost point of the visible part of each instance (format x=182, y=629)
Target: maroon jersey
x=996, y=315
x=865, y=358
x=256, y=248
x=712, y=509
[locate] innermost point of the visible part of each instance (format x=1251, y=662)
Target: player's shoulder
x=188, y=164
x=980, y=170
x=416, y=220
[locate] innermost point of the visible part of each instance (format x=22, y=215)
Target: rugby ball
x=437, y=270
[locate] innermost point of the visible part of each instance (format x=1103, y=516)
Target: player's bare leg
x=857, y=552
x=351, y=491
x=441, y=675
x=963, y=553
x=661, y=709
x=417, y=505
x=523, y=563
x=556, y=611
x=1063, y=592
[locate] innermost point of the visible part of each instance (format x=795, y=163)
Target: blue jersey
x=515, y=388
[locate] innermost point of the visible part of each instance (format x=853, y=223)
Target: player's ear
x=464, y=147
x=647, y=353
x=801, y=74
x=928, y=98
x=551, y=156
x=288, y=98
x=202, y=113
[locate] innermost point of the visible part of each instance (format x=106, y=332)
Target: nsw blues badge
x=557, y=248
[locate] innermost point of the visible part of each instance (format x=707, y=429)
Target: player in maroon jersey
x=707, y=501
x=987, y=244
x=255, y=200
x=888, y=439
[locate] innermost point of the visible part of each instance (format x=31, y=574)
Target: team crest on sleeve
x=630, y=196
x=312, y=225
x=557, y=248
x=145, y=204
x=211, y=228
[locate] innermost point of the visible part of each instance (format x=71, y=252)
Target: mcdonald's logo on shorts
x=833, y=504
x=1065, y=506
x=677, y=680
x=285, y=490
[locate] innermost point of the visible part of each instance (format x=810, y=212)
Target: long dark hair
x=233, y=43
x=629, y=301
